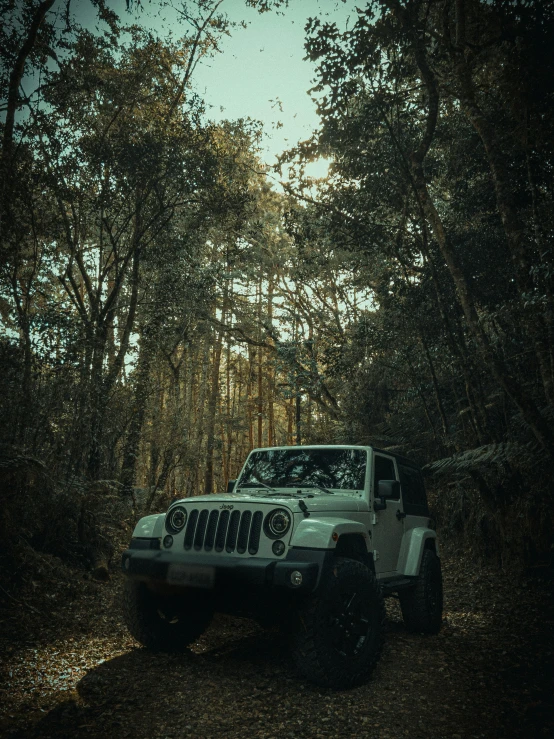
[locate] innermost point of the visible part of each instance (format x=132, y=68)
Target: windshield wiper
x=297, y=494
x=278, y=494
x=317, y=487
x=256, y=483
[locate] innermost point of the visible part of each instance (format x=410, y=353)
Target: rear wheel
x=338, y=633
x=422, y=604
x=167, y=623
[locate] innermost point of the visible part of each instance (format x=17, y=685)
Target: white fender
x=150, y=527
x=317, y=533
x=411, y=550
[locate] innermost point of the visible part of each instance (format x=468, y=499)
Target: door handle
x=400, y=514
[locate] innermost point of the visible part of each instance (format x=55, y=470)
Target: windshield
x=338, y=469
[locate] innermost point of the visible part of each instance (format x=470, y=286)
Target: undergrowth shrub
x=498, y=509
x=80, y=522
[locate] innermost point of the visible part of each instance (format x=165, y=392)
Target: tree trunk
x=200, y=419
x=260, y=405
x=249, y=399
x=290, y=421
x=211, y=415
x=97, y=404
x=138, y=412
x=436, y=389
x=270, y=371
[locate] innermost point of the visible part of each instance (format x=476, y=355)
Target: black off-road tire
x=422, y=604
x=165, y=623
x=338, y=633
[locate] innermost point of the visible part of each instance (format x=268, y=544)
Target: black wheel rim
x=168, y=617
x=350, y=625
x=168, y=610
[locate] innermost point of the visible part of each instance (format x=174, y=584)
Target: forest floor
x=70, y=669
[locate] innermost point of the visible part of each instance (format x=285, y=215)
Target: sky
x=261, y=73
x=264, y=64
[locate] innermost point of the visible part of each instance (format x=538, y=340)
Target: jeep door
x=414, y=498
x=388, y=526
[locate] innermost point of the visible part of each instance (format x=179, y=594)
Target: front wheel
x=338, y=633
x=422, y=604
x=166, y=623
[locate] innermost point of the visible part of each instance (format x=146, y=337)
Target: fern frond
x=489, y=455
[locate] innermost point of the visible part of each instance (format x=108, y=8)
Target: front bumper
x=154, y=565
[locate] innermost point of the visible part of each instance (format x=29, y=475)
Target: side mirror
x=379, y=504
x=231, y=486
x=389, y=489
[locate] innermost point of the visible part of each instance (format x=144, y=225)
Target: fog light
x=127, y=563
x=296, y=578
x=168, y=541
x=278, y=547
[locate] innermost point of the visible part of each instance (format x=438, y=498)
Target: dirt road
x=71, y=670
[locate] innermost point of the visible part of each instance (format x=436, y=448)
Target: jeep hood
x=314, y=500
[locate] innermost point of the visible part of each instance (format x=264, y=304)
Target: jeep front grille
x=233, y=531
x=201, y=529
x=244, y=530
x=223, y=530
x=191, y=525
x=210, y=533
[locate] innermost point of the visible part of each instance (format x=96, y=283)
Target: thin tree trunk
x=97, y=403
x=290, y=421
x=156, y=443
x=260, y=406
x=540, y=241
x=436, y=389
x=249, y=399
x=138, y=412
x=298, y=417
x=200, y=419
x=270, y=370
x=227, y=431
x=211, y=415
x=260, y=391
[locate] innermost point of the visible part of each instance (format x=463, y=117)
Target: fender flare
x=411, y=550
x=317, y=532
x=150, y=527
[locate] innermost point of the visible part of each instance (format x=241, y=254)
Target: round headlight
x=176, y=519
x=277, y=523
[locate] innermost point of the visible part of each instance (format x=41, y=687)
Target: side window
x=383, y=470
x=413, y=491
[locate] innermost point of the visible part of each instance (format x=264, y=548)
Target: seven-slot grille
x=223, y=530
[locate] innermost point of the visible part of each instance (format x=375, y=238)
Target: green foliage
x=483, y=458
x=164, y=310
x=433, y=115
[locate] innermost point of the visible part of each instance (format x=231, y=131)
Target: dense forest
x=165, y=308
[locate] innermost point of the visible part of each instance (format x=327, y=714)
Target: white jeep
x=308, y=537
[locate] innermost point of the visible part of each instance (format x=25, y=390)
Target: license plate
x=190, y=576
